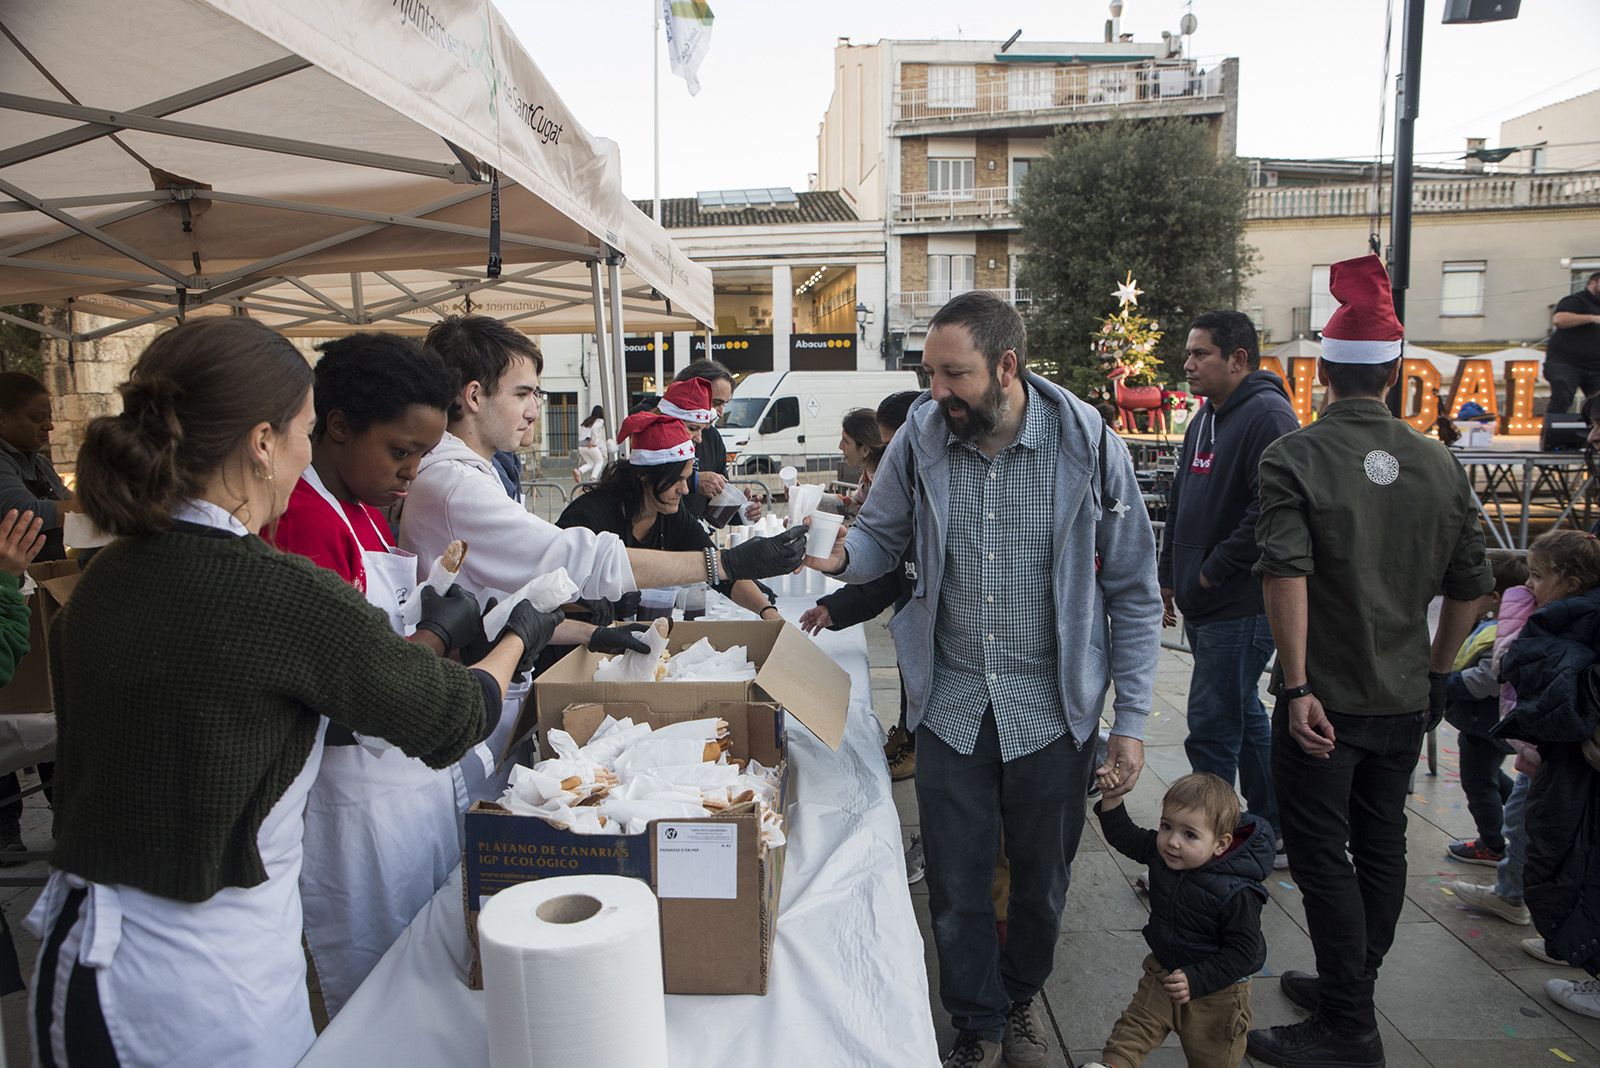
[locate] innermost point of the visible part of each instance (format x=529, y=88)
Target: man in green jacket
x=1363, y=522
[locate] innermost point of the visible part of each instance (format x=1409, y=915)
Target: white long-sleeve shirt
x=457, y=495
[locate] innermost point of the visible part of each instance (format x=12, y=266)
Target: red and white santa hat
x=657, y=439
x=1363, y=329
x=690, y=401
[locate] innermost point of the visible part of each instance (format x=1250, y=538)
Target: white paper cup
x=824, y=532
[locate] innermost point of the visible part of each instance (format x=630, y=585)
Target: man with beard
x=1036, y=587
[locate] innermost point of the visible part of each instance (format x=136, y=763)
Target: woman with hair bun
x=195, y=672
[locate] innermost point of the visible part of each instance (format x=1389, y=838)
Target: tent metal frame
x=164, y=292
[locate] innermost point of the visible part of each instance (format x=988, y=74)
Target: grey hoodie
x=1108, y=607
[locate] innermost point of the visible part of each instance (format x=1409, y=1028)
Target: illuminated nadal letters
x=1474, y=381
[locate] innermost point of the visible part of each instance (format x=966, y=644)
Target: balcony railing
x=931, y=205
x=922, y=304
x=1026, y=89
x=1488, y=192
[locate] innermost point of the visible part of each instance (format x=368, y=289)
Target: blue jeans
x=1508, y=874
x=966, y=801
x=1229, y=729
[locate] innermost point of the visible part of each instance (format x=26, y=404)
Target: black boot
x=1313, y=1044
x=1300, y=988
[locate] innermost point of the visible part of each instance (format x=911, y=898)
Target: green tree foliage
x=1149, y=197
x=21, y=349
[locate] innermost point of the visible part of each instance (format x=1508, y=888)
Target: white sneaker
x=1483, y=898
x=1534, y=947
x=1582, y=998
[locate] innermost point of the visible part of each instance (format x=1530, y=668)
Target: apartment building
x=1493, y=246
x=935, y=137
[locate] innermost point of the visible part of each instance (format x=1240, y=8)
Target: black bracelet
x=761, y=612
x=1294, y=693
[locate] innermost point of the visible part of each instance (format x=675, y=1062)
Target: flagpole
x=655, y=87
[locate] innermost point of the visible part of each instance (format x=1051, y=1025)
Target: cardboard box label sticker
x=697, y=860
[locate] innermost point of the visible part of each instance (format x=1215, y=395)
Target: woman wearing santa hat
x=691, y=402
x=640, y=499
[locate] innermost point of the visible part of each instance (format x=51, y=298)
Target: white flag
x=688, y=25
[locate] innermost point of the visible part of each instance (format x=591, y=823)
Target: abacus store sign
x=639, y=354
x=740, y=353
x=822, y=352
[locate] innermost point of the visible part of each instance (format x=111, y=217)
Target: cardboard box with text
x=717, y=885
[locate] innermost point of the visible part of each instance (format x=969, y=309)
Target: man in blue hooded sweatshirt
x=1210, y=548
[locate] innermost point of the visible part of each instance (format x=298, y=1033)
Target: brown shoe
x=903, y=766
x=896, y=743
x=1024, y=1044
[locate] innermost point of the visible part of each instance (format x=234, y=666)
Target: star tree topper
x=1128, y=292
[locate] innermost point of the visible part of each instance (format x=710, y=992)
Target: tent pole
x=601, y=362
x=619, y=366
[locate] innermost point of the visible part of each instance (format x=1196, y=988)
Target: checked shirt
x=995, y=635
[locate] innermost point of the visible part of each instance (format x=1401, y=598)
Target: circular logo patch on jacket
x=1382, y=469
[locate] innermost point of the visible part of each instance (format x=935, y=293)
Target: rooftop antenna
x=1011, y=40
x=1187, y=25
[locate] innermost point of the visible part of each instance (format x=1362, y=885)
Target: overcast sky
x=1310, y=72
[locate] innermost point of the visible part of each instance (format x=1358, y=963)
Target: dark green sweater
x=190, y=670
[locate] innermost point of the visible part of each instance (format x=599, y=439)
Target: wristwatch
x=1294, y=693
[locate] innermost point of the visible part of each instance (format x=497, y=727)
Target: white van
x=794, y=417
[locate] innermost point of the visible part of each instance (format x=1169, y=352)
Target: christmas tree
x=1128, y=339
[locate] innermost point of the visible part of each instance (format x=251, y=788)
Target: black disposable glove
x=1437, y=681
x=453, y=617
x=623, y=638
x=766, y=557
x=534, y=628
x=601, y=611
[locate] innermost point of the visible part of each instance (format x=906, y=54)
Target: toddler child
x=1206, y=867
x=1473, y=708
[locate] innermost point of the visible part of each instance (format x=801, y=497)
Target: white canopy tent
x=176, y=155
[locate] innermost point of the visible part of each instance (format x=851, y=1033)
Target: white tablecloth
x=848, y=981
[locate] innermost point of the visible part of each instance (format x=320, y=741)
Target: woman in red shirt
x=382, y=832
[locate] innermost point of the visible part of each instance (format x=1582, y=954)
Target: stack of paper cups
x=572, y=974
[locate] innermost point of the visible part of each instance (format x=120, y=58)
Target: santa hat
x=657, y=439
x=689, y=401
x=1363, y=329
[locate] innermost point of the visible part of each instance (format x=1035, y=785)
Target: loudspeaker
x=1461, y=12
x=1563, y=432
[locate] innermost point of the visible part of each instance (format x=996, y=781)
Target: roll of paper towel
x=572, y=974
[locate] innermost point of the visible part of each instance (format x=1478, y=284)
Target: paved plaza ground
x=1457, y=990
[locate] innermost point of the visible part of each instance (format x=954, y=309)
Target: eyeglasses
x=541, y=396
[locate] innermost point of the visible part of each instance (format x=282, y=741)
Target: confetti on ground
x=1420, y=799
x=1510, y=1032
x=1563, y=1056
x=1447, y=890
x=1474, y=933
x=1532, y=1014
x=1266, y=971
x=1286, y=886
x=1434, y=880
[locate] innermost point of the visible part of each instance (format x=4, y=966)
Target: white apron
x=195, y=985
x=382, y=829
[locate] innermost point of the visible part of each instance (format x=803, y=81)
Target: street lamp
x=863, y=317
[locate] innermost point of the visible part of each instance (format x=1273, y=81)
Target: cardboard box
x=719, y=904
x=29, y=689
x=790, y=671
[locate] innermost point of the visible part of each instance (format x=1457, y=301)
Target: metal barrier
x=545, y=498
